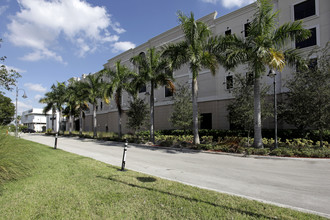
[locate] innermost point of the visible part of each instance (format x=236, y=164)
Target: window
x=168, y=92
x=247, y=29
x=249, y=78
x=311, y=41
x=228, y=32
x=206, y=121
x=304, y=9
x=143, y=89
x=101, y=105
x=229, y=82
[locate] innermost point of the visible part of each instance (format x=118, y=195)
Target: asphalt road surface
x=302, y=184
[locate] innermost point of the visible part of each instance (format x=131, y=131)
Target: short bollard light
x=124, y=157
x=55, y=145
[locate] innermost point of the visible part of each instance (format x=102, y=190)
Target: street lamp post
x=272, y=74
x=24, y=96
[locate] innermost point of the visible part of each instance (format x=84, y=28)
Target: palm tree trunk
x=257, y=115
x=59, y=121
x=53, y=117
x=94, y=121
x=80, y=122
x=152, y=115
x=195, y=110
x=70, y=124
x=119, y=122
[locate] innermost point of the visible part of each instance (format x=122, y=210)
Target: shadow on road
x=244, y=212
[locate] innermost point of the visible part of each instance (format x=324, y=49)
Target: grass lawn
x=37, y=182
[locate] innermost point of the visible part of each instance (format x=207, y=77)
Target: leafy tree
x=154, y=70
x=181, y=117
x=137, y=114
x=119, y=82
x=241, y=108
x=7, y=110
x=264, y=48
x=192, y=51
x=93, y=87
x=8, y=78
x=307, y=103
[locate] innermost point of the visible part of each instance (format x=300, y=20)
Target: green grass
x=54, y=184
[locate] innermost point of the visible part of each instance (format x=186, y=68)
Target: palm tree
x=55, y=99
x=81, y=98
x=194, y=52
x=120, y=79
x=263, y=48
x=50, y=105
x=93, y=87
x=154, y=70
x=76, y=102
x=70, y=103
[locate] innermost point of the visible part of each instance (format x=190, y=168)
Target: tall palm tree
x=120, y=79
x=81, y=98
x=50, y=105
x=194, y=52
x=155, y=70
x=264, y=48
x=76, y=102
x=70, y=103
x=55, y=99
x=93, y=87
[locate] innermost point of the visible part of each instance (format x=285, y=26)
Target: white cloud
x=40, y=24
x=35, y=87
x=38, y=97
x=21, y=107
x=3, y=8
x=230, y=3
x=122, y=46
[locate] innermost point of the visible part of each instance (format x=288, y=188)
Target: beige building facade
x=215, y=91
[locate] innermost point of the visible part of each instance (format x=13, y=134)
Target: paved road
x=302, y=184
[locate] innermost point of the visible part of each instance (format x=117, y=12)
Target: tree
x=80, y=101
x=93, y=87
x=137, y=114
x=192, y=51
x=307, y=102
x=120, y=79
x=55, y=100
x=262, y=49
x=49, y=100
x=241, y=108
x=155, y=70
x=76, y=103
x=7, y=110
x=8, y=78
x=182, y=108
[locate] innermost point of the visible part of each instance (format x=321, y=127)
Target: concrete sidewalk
x=302, y=184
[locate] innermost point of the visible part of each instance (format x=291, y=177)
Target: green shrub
x=207, y=139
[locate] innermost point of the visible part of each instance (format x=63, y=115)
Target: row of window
x=301, y=10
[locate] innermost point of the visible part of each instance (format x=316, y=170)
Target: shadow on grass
x=252, y=214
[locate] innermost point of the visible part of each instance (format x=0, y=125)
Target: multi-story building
x=215, y=91
x=35, y=119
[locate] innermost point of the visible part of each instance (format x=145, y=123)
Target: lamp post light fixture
x=24, y=96
x=272, y=74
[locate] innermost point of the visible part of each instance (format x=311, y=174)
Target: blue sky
x=53, y=40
